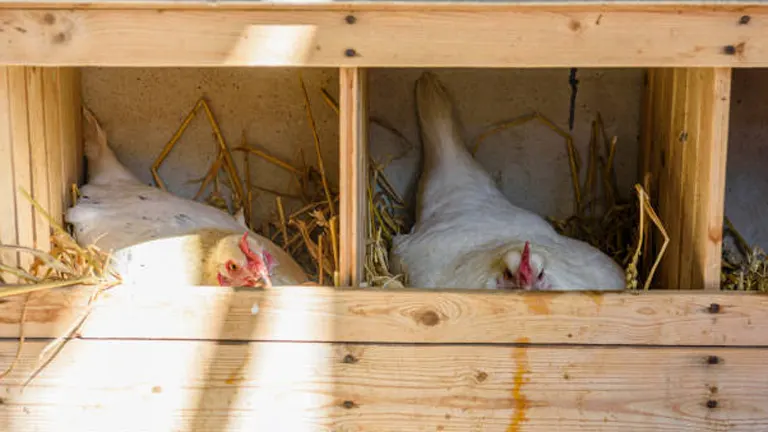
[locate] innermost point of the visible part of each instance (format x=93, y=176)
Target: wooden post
x=353, y=163
x=686, y=149
x=39, y=152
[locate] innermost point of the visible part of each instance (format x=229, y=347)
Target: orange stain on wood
x=520, y=356
x=536, y=303
x=596, y=297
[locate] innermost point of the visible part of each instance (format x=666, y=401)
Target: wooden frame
x=318, y=358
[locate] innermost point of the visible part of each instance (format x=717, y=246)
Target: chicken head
x=523, y=270
x=242, y=264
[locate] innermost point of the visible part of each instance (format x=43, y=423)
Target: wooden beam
x=410, y=35
x=353, y=175
x=688, y=153
x=401, y=316
x=207, y=386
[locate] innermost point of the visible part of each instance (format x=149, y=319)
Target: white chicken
x=468, y=235
x=157, y=237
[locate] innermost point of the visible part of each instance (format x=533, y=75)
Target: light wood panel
x=205, y=386
x=325, y=314
x=687, y=159
x=353, y=174
x=478, y=35
x=39, y=152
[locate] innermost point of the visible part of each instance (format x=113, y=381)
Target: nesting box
x=352, y=358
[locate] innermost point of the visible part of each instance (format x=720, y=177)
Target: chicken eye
x=541, y=275
x=507, y=274
x=231, y=266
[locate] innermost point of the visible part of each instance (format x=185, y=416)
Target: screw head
x=350, y=19
x=714, y=308
x=348, y=404
x=350, y=52
x=713, y=360
x=744, y=20
x=729, y=49
x=711, y=404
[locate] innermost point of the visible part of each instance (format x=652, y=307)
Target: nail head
x=350, y=52
x=714, y=308
x=729, y=49
x=350, y=19
x=711, y=404
x=744, y=20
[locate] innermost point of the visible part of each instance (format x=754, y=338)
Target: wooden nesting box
x=350, y=359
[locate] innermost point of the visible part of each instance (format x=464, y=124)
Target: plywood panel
x=478, y=35
x=324, y=314
x=208, y=386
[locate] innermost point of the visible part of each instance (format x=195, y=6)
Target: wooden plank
x=402, y=316
x=8, y=229
x=692, y=144
x=70, y=115
x=512, y=35
x=207, y=386
x=53, y=141
x=39, y=167
x=17, y=84
x=353, y=174
x=713, y=151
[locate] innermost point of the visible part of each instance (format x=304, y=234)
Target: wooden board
x=407, y=316
x=404, y=35
x=38, y=151
x=207, y=386
x=687, y=141
x=8, y=226
x=353, y=172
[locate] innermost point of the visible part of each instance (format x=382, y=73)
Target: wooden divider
x=39, y=152
x=353, y=174
x=685, y=146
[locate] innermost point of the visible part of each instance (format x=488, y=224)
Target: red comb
x=524, y=271
x=246, y=250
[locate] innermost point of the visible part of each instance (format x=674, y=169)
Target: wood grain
x=22, y=174
x=206, y=386
x=8, y=228
x=407, y=316
x=353, y=172
x=39, y=156
x=512, y=35
x=690, y=145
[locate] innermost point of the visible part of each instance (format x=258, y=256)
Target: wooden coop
x=686, y=357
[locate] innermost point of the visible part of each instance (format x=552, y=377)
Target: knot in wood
x=428, y=318
x=350, y=359
x=348, y=404
x=350, y=19
x=744, y=20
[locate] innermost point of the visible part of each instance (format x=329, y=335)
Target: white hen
x=157, y=237
x=468, y=235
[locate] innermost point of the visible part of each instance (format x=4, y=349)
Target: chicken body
x=157, y=237
x=468, y=235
